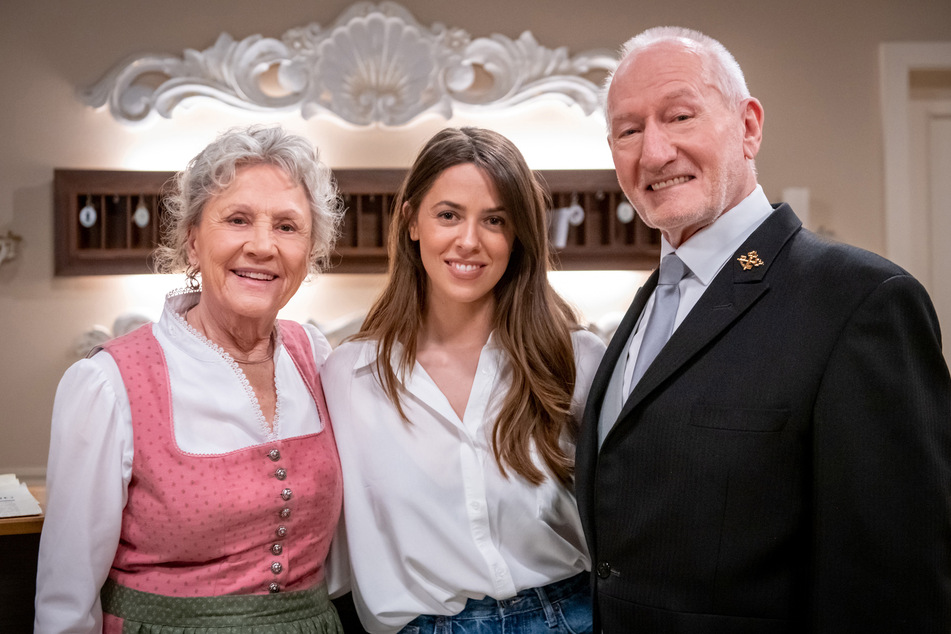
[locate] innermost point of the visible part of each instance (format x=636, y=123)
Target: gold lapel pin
x=750, y=260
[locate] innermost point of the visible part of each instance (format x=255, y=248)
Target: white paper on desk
x=15, y=498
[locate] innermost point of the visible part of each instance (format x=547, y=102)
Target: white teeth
x=668, y=183
x=465, y=268
x=256, y=276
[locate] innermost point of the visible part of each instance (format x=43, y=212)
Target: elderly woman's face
x=252, y=244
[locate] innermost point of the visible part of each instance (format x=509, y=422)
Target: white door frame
x=903, y=223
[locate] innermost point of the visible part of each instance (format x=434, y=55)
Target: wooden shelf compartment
x=115, y=244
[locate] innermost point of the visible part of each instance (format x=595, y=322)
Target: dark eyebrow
x=449, y=203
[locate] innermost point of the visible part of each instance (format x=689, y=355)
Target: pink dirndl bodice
x=251, y=521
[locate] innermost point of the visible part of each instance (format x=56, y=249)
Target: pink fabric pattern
x=209, y=525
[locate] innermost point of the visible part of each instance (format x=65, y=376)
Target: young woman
x=455, y=409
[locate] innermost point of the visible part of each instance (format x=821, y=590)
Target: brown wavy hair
x=532, y=323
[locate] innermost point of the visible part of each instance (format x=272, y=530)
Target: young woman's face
x=465, y=237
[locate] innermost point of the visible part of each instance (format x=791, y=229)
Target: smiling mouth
x=667, y=183
x=266, y=277
x=462, y=267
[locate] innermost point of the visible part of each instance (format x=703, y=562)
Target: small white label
x=625, y=212
x=87, y=216
x=141, y=216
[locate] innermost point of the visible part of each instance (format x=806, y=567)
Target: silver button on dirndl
x=286, y=494
x=273, y=587
x=281, y=531
x=274, y=455
x=281, y=473
x=277, y=549
x=276, y=567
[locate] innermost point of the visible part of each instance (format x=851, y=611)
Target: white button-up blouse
x=429, y=518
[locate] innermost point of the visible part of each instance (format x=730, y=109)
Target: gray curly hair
x=213, y=170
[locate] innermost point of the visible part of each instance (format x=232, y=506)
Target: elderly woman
x=457, y=406
x=193, y=481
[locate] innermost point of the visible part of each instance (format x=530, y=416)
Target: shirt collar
x=706, y=251
x=177, y=331
x=368, y=352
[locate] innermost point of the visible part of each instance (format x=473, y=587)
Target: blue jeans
x=563, y=607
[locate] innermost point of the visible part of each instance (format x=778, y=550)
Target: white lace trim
x=177, y=292
x=270, y=432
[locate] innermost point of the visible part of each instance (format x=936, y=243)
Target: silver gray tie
x=660, y=324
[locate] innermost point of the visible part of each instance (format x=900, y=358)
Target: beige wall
x=812, y=63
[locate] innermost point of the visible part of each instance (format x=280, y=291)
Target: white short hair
x=725, y=72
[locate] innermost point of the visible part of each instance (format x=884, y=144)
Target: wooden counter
x=19, y=545
x=28, y=524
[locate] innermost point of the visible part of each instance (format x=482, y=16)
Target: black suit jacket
x=785, y=462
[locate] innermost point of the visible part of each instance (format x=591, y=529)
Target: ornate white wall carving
x=375, y=64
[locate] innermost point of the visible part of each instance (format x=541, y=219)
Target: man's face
x=683, y=155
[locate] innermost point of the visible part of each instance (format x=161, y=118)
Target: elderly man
x=767, y=443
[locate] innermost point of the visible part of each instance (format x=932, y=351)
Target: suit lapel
x=731, y=293
x=617, y=348
x=614, y=354
x=586, y=455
